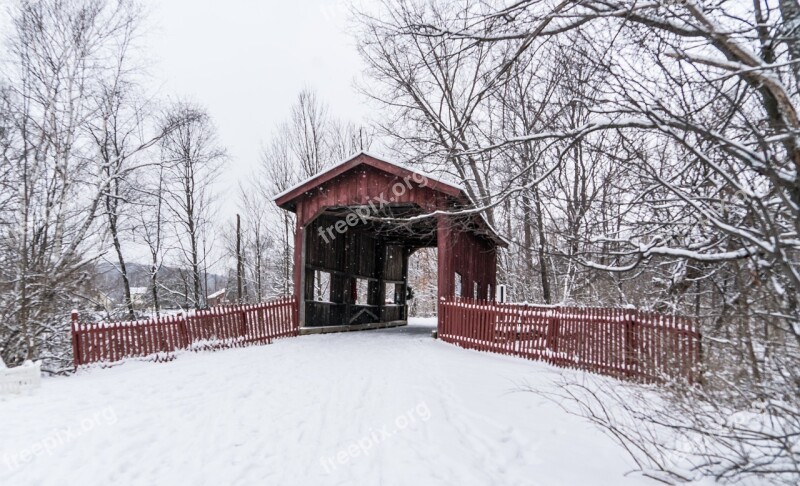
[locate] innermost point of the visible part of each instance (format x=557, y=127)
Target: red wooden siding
x=359, y=187
x=361, y=161
x=475, y=260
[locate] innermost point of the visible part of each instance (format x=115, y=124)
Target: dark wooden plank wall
x=395, y=265
x=351, y=255
x=395, y=271
x=324, y=254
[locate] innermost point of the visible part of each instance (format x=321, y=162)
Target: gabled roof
x=287, y=198
x=363, y=158
x=217, y=294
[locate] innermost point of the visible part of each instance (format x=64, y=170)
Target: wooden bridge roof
x=289, y=198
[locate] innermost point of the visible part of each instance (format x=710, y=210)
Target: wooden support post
x=76, y=348
x=552, y=334
x=630, y=342
x=239, y=261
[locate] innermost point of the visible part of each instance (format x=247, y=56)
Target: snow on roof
x=348, y=159
x=494, y=230
x=138, y=290
x=217, y=294
x=415, y=169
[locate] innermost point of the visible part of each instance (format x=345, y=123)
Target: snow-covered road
x=391, y=407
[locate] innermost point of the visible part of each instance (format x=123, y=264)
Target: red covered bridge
x=357, y=225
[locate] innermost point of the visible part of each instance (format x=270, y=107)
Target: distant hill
x=108, y=281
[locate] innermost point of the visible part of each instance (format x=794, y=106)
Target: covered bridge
x=357, y=224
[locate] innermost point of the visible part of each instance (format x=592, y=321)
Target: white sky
x=246, y=60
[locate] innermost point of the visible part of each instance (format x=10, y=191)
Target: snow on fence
x=218, y=327
x=624, y=343
x=25, y=377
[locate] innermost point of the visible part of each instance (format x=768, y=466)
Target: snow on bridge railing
x=620, y=342
x=158, y=338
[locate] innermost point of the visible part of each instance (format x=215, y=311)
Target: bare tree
x=307, y=130
x=663, y=164
x=63, y=55
x=278, y=175
x=192, y=157
x=436, y=93
x=150, y=225
x=119, y=133
x=308, y=142
x=348, y=138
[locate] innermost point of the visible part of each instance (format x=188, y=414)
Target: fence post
x=630, y=341
x=519, y=332
x=244, y=322
x=76, y=349
x=695, y=353
x=183, y=329
x=296, y=316
x=552, y=334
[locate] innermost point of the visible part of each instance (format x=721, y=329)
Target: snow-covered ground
x=391, y=407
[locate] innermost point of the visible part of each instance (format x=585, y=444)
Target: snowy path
x=391, y=407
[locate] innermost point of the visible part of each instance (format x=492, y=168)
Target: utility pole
x=239, y=262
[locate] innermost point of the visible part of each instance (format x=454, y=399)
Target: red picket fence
x=624, y=343
x=218, y=327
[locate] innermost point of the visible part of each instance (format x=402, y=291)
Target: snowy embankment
x=390, y=407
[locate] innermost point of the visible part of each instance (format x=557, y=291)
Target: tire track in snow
x=482, y=447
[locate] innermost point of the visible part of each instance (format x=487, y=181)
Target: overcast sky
x=246, y=60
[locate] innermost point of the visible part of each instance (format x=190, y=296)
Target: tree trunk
x=154, y=284
x=545, y=273
x=126, y=284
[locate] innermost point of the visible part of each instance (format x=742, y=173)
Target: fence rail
x=218, y=327
x=624, y=343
